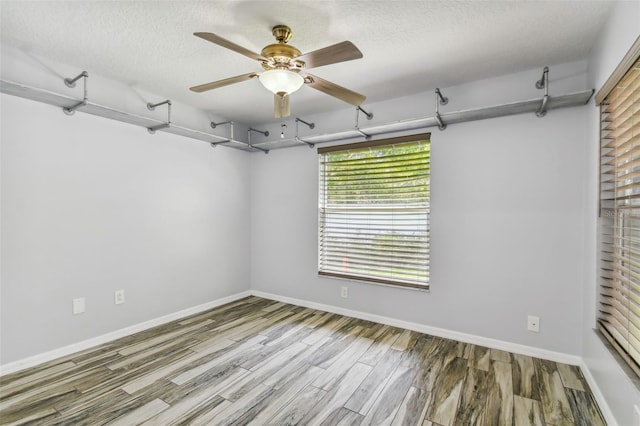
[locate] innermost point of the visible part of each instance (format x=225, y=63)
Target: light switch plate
x=118, y=297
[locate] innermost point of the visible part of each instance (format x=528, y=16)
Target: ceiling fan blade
x=222, y=83
x=281, y=106
x=341, y=52
x=334, y=90
x=230, y=45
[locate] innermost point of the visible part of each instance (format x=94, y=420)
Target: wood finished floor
x=260, y=362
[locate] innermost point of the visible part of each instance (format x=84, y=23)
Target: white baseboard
x=434, y=331
x=105, y=338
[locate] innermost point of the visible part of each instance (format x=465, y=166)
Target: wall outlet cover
x=344, y=292
x=78, y=306
x=533, y=323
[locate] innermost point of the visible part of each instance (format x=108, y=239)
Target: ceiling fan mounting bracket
x=280, y=56
x=282, y=33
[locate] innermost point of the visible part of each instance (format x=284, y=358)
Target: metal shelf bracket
x=71, y=82
x=543, y=83
x=265, y=133
x=440, y=100
x=214, y=125
x=309, y=125
x=152, y=107
x=369, y=116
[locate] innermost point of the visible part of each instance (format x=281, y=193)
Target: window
x=374, y=211
x=619, y=299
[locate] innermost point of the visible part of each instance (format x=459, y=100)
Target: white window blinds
x=619, y=301
x=374, y=211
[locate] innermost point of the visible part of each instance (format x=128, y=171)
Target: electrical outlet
x=344, y=292
x=118, y=297
x=78, y=306
x=533, y=324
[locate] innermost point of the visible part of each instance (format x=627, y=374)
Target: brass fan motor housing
x=280, y=55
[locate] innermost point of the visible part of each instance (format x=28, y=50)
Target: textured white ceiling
x=408, y=46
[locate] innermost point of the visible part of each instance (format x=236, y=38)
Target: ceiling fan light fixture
x=280, y=81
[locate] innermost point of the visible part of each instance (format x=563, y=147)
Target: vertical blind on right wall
x=619, y=299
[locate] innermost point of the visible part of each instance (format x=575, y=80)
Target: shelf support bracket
x=309, y=125
x=543, y=83
x=71, y=82
x=440, y=100
x=265, y=133
x=214, y=125
x=152, y=107
x=369, y=116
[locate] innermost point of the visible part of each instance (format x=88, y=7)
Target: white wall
x=506, y=236
x=621, y=31
x=91, y=205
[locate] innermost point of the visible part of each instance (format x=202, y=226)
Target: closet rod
x=521, y=107
x=503, y=110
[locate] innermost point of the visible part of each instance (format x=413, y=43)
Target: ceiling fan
x=283, y=64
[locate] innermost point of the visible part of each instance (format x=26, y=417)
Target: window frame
x=422, y=137
x=610, y=227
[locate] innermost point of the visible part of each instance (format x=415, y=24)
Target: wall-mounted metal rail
x=64, y=101
x=441, y=120
x=503, y=110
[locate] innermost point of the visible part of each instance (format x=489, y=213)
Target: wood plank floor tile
x=480, y=358
x=473, y=398
x=413, y=408
x=525, y=377
x=555, y=405
x=406, y=340
x=294, y=412
x=445, y=392
x=440, y=353
x=21, y=384
x=348, y=358
x=146, y=344
x=414, y=357
x=187, y=407
x=337, y=395
x=286, y=393
x=571, y=377
x=382, y=343
x=261, y=362
x=372, y=386
x=141, y=414
x=389, y=401
x=502, y=356
x=527, y=412
x=207, y=417
x=343, y=417
x=499, y=409
x=584, y=409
